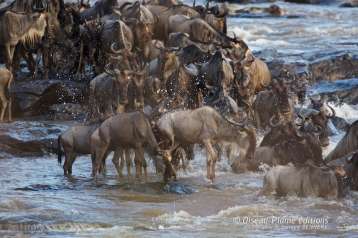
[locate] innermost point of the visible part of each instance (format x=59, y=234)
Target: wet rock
x=21, y=139
x=311, y=1
x=319, y=67
x=178, y=188
x=334, y=68
x=32, y=98
x=258, y=12
x=67, y=111
x=351, y=3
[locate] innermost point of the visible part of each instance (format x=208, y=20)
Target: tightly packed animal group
x=166, y=76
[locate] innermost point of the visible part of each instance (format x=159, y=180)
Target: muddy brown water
x=36, y=200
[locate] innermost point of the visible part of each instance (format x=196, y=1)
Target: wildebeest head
x=316, y=121
x=246, y=69
x=170, y=64
x=283, y=102
x=220, y=73
x=153, y=90
x=282, y=131
x=122, y=78
x=142, y=33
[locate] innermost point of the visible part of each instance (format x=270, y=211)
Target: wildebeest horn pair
x=111, y=72
x=239, y=124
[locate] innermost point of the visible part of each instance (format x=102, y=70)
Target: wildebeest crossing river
x=36, y=200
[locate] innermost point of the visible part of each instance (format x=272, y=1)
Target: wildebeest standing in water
x=127, y=131
x=75, y=141
x=207, y=127
x=303, y=181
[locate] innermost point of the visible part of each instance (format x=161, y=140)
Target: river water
x=36, y=200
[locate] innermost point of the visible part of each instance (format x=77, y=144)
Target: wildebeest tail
x=59, y=150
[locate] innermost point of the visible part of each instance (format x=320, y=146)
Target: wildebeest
x=19, y=27
x=45, y=34
x=215, y=18
x=303, y=181
x=207, y=127
x=126, y=131
x=75, y=141
x=217, y=74
x=199, y=30
x=6, y=79
x=182, y=40
x=272, y=104
x=283, y=144
x=255, y=76
x=316, y=121
x=140, y=20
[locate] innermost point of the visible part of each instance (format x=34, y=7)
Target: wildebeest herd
x=166, y=76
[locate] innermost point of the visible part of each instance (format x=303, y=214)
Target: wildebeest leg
x=100, y=156
x=80, y=62
x=210, y=159
x=128, y=159
x=46, y=61
x=93, y=158
x=139, y=157
x=115, y=160
x=4, y=103
x=9, y=107
x=72, y=160
x=31, y=64
x=144, y=166
x=9, y=54
x=67, y=163
x=103, y=168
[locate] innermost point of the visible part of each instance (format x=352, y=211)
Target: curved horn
x=239, y=124
x=108, y=70
x=333, y=111
x=114, y=51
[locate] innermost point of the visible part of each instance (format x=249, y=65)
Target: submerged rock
x=350, y=3
x=21, y=139
x=178, y=188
